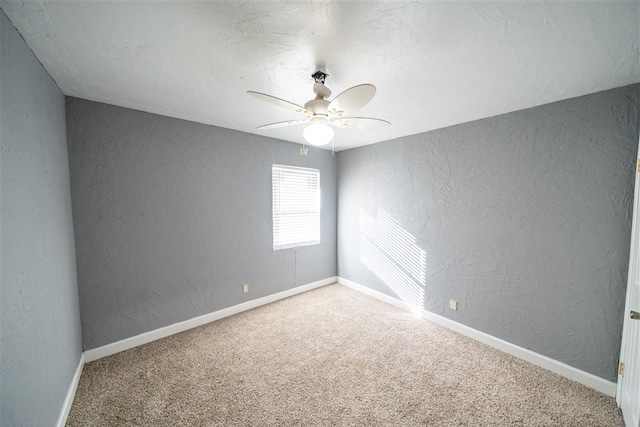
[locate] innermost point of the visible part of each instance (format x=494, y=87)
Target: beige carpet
x=331, y=356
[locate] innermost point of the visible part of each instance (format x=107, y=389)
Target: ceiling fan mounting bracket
x=319, y=76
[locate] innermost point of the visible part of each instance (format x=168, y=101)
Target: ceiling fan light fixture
x=318, y=134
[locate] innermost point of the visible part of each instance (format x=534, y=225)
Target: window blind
x=296, y=206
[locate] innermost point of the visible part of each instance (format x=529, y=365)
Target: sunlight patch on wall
x=391, y=253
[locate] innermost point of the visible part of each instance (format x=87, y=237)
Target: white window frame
x=295, y=206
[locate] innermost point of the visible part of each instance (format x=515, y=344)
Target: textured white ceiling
x=435, y=64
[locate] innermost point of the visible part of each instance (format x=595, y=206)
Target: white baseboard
x=147, y=337
x=560, y=368
x=71, y=393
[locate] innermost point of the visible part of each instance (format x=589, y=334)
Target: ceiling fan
x=321, y=112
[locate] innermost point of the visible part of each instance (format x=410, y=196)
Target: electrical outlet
x=245, y=288
x=453, y=304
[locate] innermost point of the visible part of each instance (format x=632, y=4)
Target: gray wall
x=524, y=219
x=41, y=341
x=173, y=217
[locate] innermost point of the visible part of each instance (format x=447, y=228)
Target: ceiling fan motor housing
x=320, y=105
x=317, y=106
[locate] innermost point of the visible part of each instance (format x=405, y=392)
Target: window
x=296, y=206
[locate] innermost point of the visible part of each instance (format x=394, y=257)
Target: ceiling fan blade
x=282, y=124
x=360, y=123
x=351, y=100
x=290, y=106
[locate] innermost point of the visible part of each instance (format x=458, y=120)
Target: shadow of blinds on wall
x=296, y=206
x=392, y=253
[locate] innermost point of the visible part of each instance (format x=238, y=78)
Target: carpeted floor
x=331, y=356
